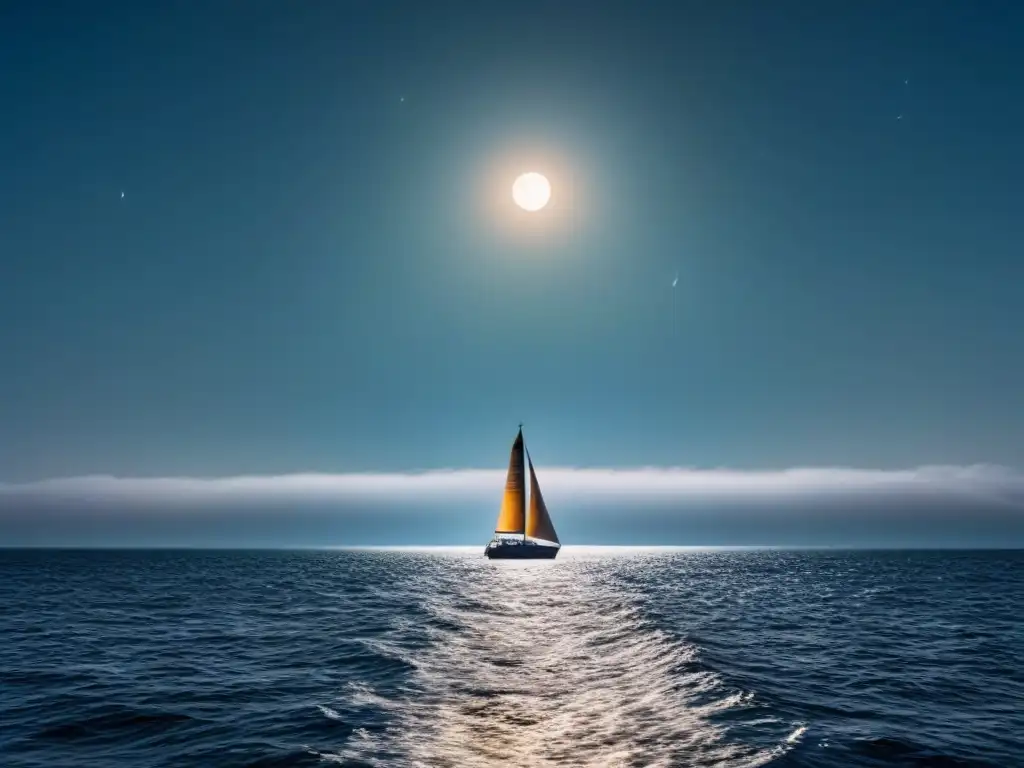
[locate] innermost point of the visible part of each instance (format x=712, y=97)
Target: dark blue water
x=631, y=658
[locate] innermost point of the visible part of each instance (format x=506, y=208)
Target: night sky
x=277, y=237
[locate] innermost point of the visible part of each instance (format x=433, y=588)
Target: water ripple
x=646, y=658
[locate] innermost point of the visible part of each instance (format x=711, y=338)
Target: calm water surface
x=442, y=658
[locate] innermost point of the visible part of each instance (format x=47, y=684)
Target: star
x=122, y=194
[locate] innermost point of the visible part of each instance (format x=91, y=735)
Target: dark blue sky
x=316, y=266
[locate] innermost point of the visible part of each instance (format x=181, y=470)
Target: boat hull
x=520, y=551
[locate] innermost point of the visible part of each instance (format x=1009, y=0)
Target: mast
x=525, y=521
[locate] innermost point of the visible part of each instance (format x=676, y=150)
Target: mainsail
x=538, y=524
x=512, y=518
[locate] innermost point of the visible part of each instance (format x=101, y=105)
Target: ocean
x=604, y=657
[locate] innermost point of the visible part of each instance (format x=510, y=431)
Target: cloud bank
x=982, y=482
x=923, y=506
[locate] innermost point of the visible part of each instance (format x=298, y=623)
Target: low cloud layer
x=924, y=506
x=982, y=482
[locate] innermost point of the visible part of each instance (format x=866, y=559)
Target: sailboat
x=519, y=536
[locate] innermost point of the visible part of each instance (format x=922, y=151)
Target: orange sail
x=512, y=518
x=538, y=524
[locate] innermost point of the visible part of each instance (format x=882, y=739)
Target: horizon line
x=449, y=547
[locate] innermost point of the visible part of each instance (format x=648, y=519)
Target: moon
x=531, y=191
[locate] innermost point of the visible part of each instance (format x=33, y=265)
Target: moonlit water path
x=543, y=663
